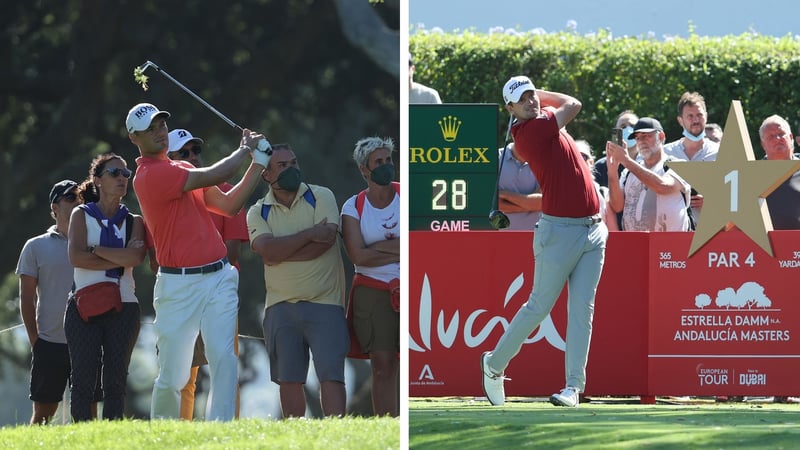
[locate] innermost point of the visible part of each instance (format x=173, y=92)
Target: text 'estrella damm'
x=449, y=155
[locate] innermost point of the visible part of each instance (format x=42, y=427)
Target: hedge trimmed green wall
x=610, y=75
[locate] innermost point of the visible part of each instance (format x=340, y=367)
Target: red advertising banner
x=725, y=321
x=720, y=322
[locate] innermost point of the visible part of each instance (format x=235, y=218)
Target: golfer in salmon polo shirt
x=196, y=287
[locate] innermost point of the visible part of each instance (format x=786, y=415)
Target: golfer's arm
x=222, y=170
x=567, y=107
x=230, y=203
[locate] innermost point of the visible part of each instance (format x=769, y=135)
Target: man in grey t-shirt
x=45, y=280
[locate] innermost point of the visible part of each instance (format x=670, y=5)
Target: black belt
x=588, y=221
x=593, y=220
x=208, y=268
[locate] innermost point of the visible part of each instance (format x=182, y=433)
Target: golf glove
x=262, y=153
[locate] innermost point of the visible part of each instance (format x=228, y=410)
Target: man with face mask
x=294, y=229
x=625, y=121
x=694, y=145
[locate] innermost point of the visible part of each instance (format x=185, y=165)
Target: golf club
x=263, y=144
x=498, y=219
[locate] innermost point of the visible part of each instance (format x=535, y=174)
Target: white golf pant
x=185, y=305
x=568, y=251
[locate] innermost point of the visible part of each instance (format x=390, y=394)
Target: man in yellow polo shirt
x=294, y=229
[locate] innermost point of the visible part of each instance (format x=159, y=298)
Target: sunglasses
x=71, y=197
x=184, y=152
x=117, y=171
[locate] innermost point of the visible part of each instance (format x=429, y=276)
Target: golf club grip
x=264, y=146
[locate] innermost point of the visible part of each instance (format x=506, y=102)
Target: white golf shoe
x=492, y=382
x=567, y=397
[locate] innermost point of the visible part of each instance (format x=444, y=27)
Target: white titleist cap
x=515, y=87
x=140, y=116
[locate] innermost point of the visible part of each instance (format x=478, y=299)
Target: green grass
x=467, y=423
x=346, y=433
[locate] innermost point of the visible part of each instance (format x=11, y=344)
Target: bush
x=609, y=75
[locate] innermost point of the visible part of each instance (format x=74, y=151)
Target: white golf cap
x=515, y=87
x=141, y=115
x=179, y=137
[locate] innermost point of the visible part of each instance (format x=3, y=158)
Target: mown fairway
x=466, y=423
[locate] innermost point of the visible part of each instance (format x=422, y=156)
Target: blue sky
x=633, y=18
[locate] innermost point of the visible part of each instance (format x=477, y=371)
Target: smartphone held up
x=616, y=136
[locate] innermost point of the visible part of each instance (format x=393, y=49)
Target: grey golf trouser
x=565, y=250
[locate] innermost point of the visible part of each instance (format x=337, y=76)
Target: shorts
x=199, y=356
x=376, y=323
x=50, y=371
x=292, y=329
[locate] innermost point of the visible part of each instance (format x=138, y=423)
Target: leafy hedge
x=609, y=75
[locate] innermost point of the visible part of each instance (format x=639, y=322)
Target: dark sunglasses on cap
x=117, y=171
x=184, y=152
x=71, y=197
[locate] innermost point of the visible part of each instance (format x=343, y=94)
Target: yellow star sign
x=735, y=186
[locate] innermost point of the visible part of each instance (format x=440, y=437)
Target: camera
x=616, y=136
x=498, y=219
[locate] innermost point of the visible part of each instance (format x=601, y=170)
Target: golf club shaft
x=500, y=168
x=188, y=91
x=508, y=129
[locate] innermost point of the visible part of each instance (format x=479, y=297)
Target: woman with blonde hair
x=371, y=234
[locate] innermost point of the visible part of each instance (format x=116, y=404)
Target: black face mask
x=290, y=179
x=383, y=175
